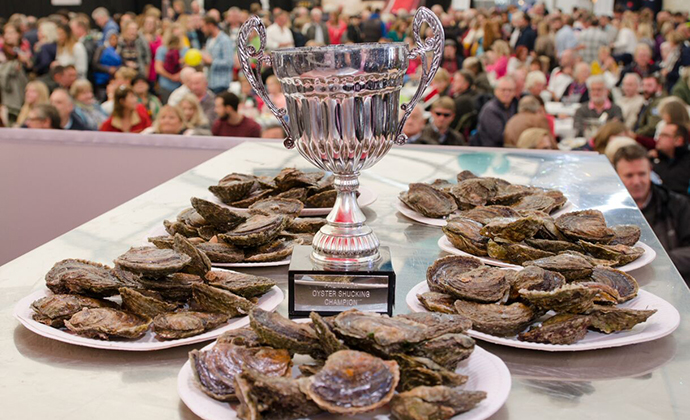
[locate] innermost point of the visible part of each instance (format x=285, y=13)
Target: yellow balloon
x=192, y=57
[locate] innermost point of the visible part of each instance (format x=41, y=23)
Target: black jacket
x=668, y=214
x=528, y=37
x=430, y=135
x=675, y=172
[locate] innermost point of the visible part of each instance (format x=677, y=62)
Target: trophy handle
x=247, y=52
x=435, y=44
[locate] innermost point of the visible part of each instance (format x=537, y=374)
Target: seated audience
x=129, y=116
x=598, y=105
x=194, y=116
x=60, y=77
x=106, y=60
x=140, y=87
x=481, y=79
x=230, y=123
x=672, y=158
x=530, y=115
x=576, y=92
x=562, y=76
x=495, y=114
x=649, y=114
x=631, y=101
x=666, y=212
x=198, y=85
x=414, y=125
x=69, y=119
x=36, y=93
x=86, y=104
x=438, y=131
x=169, y=121
x=43, y=116
x=535, y=85
x=177, y=94
x=642, y=63
x=536, y=138
x=682, y=88
x=608, y=131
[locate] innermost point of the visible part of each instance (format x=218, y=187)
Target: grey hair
x=529, y=104
x=534, y=77
x=633, y=75
x=100, y=11
x=595, y=79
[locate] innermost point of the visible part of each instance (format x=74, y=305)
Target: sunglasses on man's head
x=443, y=114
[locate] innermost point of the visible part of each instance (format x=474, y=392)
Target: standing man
x=316, y=30
x=591, y=39
x=219, y=56
x=198, y=85
x=495, y=114
x=672, y=160
x=565, y=37
x=101, y=16
x=524, y=34
x=278, y=35
x=230, y=123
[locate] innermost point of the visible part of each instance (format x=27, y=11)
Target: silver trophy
x=342, y=113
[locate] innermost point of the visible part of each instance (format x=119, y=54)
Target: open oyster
x=330, y=343
x=475, y=192
x=534, y=278
x=610, y=319
x=269, y=397
x=514, y=253
x=174, y=325
x=559, y=329
x=279, y=332
x=176, y=286
x=231, y=191
x=572, y=267
x=434, y=402
x=276, y=250
x=256, y=231
x=199, y=264
x=54, y=310
x=588, y=225
x=285, y=206
x=107, y=323
x=191, y=217
x=554, y=246
x=483, y=284
x=624, y=283
x=625, y=235
x=447, y=350
x=220, y=252
x=500, y=320
x=606, y=295
x=437, y=302
x=484, y=214
x=352, y=382
x=151, y=260
x=220, y=217
x=144, y=305
x=512, y=229
x=245, y=285
x=289, y=178
x=215, y=369
x=182, y=228
x=429, y=201
x=442, y=185
x=621, y=254
x=305, y=225
x=465, y=235
x=83, y=277
x=446, y=268
x=214, y=299
x=570, y=298
x=420, y=371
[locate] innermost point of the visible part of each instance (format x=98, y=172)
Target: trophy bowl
x=342, y=113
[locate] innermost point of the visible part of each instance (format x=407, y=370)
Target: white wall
x=677, y=5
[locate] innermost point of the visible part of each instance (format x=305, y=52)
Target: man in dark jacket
x=464, y=95
x=373, y=27
x=666, y=212
x=526, y=36
x=354, y=30
x=316, y=30
x=495, y=114
x=672, y=160
x=438, y=131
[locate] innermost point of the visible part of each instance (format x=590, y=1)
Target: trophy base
x=314, y=287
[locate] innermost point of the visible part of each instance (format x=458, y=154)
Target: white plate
x=659, y=325
x=646, y=258
x=159, y=230
x=24, y=313
x=366, y=198
x=418, y=217
x=486, y=372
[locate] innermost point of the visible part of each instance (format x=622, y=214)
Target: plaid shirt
x=222, y=50
x=592, y=39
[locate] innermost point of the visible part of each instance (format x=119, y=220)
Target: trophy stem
x=346, y=241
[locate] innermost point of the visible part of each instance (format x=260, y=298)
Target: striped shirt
x=222, y=50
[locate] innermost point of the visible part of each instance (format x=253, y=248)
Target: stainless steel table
x=42, y=378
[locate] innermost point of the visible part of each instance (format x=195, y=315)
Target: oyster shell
x=434, y=402
x=620, y=254
x=107, y=323
x=510, y=194
x=324, y=184
x=609, y=319
x=254, y=197
x=280, y=332
x=276, y=250
x=179, y=227
x=220, y=252
x=299, y=194
x=553, y=246
x=289, y=178
x=624, y=283
x=484, y=214
x=572, y=266
x=145, y=306
x=594, y=261
x=245, y=337
x=588, y=225
x=323, y=199
x=305, y=225
x=625, y=235
x=461, y=176
x=230, y=192
x=191, y=217
x=352, y=382
x=434, y=320
x=442, y=185
x=512, y=229
x=330, y=343
x=540, y=202
x=500, y=320
x=162, y=242
x=559, y=329
x=515, y=253
x=606, y=295
x=214, y=299
x=267, y=397
x=483, y=284
x=151, y=260
x=256, y=231
x=245, y=285
x=174, y=325
x=465, y=235
x=177, y=286
x=199, y=264
x=447, y=350
x=475, y=192
x=215, y=369
x=220, y=217
x=570, y=298
x=286, y=206
x=437, y=302
x=54, y=310
x=420, y=371
x=429, y=201
x=449, y=267
x=534, y=278
x=82, y=277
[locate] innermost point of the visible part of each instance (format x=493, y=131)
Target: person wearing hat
x=451, y=61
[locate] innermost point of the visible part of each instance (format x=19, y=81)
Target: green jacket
x=649, y=118
x=682, y=91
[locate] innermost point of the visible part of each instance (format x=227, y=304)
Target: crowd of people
x=625, y=78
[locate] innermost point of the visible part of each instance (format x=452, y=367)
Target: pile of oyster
x=554, y=300
x=266, y=231
x=359, y=361
x=173, y=291
x=244, y=190
x=442, y=199
x=520, y=236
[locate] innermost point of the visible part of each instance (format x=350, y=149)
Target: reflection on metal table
x=43, y=378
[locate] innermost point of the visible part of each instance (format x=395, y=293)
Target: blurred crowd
x=527, y=78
